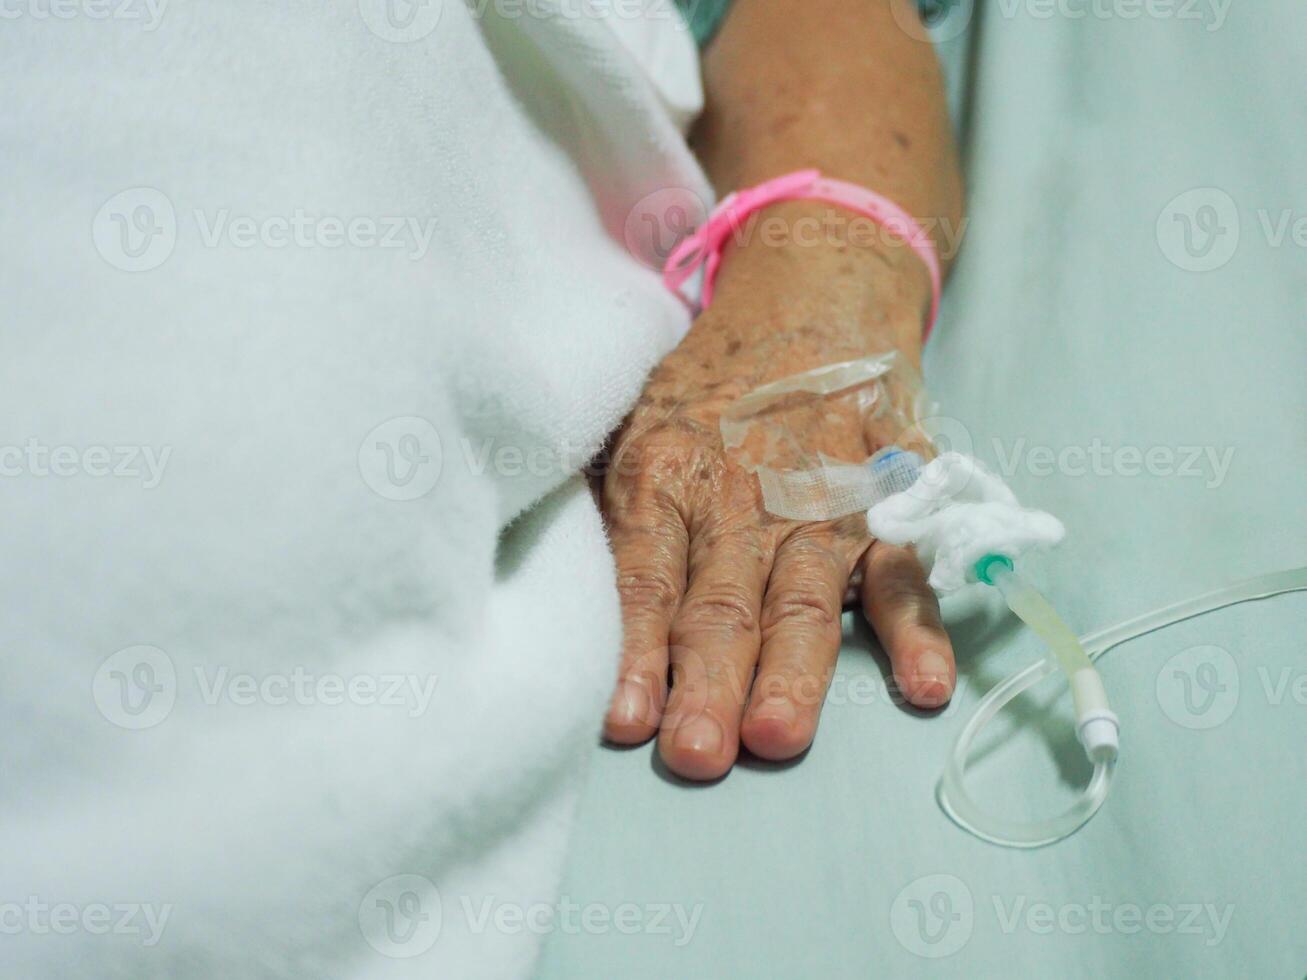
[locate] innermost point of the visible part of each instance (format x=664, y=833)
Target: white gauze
x=956, y=513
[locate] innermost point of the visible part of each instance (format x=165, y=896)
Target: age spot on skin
x=783, y=123
x=902, y=140
x=733, y=347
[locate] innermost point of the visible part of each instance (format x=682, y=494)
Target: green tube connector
x=983, y=566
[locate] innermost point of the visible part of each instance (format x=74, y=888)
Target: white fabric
x=956, y=513
x=515, y=323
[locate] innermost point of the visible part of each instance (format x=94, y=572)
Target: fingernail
x=702, y=735
x=633, y=704
x=780, y=711
x=931, y=680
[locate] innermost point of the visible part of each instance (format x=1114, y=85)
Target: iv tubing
x=952, y=793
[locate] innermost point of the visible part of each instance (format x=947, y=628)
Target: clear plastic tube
x=1036, y=612
x=951, y=791
x=838, y=489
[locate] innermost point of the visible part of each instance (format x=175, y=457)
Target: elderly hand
x=739, y=608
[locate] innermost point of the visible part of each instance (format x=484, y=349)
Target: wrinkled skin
x=732, y=615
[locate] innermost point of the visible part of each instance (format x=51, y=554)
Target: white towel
x=304, y=304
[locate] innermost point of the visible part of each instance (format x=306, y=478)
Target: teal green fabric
x=1071, y=323
x=704, y=17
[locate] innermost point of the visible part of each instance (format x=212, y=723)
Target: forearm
x=837, y=85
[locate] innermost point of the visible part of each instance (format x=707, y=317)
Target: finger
x=714, y=646
x=904, y=612
x=649, y=545
x=800, y=641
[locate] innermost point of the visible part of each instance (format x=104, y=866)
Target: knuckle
x=908, y=603
x=897, y=590
x=643, y=521
x=726, y=609
x=651, y=589
x=896, y=579
x=658, y=451
x=795, y=605
x=642, y=500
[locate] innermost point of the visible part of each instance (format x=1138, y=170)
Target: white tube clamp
x=1097, y=726
x=1100, y=734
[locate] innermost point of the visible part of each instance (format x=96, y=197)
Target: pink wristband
x=706, y=245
